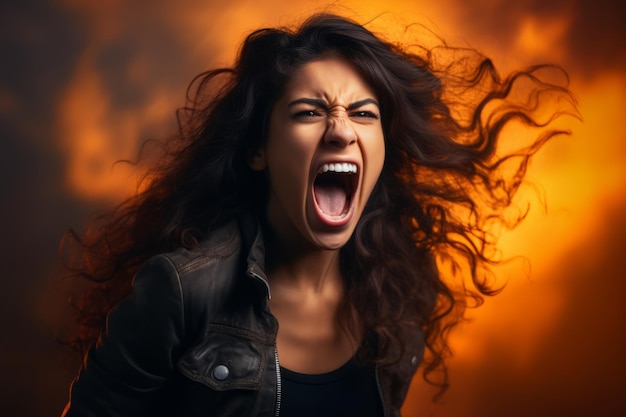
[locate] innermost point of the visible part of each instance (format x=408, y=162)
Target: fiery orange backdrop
x=85, y=82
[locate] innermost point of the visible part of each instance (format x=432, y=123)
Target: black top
x=348, y=391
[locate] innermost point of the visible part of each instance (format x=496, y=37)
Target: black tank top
x=348, y=391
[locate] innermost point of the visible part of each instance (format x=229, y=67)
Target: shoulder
x=209, y=276
x=221, y=249
x=221, y=245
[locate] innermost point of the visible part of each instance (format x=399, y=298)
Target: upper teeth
x=344, y=167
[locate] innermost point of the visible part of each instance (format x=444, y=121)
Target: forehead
x=332, y=78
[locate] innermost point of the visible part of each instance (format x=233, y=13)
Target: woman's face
x=323, y=156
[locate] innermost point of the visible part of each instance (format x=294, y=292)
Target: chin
x=331, y=240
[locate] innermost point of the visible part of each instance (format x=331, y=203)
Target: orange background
x=84, y=82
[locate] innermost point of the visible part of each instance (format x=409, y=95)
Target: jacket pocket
x=225, y=358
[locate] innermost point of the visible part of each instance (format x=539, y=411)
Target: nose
x=340, y=132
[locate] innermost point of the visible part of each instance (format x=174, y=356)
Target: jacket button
x=221, y=372
x=414, y=360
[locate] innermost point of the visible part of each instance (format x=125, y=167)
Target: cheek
x=376, y=167
x=374, y=152
x=379, y=156
x=292, y=142
x=288, y=162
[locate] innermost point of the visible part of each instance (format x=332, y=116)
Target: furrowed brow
x=362, y=103
x=312, y=101
x=322, y=104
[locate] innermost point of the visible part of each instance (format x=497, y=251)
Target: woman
x=289, y=251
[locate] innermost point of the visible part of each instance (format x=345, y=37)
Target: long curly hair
x=421, y=252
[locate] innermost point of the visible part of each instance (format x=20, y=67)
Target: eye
x=306, y=114
x=364, y=114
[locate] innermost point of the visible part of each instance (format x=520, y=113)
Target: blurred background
x=83, y=83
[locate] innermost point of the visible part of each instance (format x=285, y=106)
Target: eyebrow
x=321, y=103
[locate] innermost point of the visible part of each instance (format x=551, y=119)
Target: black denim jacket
x=196, y=338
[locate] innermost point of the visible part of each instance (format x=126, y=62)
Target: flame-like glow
x=95, y=135
x=578, y=177
x=89, y=139
x=543, y=37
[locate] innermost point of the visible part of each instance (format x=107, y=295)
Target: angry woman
x=286, y=256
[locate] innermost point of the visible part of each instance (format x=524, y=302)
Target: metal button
x=221, y=372
x=414, y=360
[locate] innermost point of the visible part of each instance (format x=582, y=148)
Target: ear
x=256, y=160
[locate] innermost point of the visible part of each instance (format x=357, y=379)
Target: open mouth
x=333, y=190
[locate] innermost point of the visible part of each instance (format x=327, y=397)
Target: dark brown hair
x=444, y=181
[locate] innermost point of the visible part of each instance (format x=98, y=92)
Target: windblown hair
x=422, y=249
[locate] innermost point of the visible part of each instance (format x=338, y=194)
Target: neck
x=308, y=269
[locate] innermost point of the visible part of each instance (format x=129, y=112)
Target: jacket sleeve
x=136, y=356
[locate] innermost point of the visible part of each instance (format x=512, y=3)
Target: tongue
x=331, y=198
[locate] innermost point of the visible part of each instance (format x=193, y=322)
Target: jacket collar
x=252, y=238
